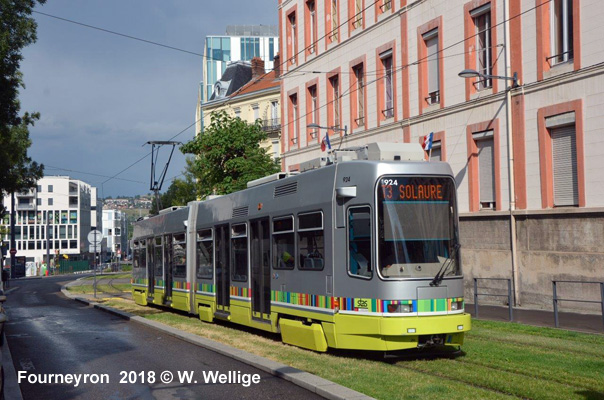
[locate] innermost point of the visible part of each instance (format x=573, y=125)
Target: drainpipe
x=512, y=184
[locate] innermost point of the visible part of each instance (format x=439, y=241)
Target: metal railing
x=509, y=295
x=556, y=299
x=272, y=124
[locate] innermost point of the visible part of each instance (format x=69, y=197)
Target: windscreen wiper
x=438, y=278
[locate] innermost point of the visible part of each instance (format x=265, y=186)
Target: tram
x=357, y=251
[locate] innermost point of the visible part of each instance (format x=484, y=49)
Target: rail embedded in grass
x=521, y=361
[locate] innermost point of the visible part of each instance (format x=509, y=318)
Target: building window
x=561, y=14
x=486, y=169
x=382, y=6
x=39, y=202
x=562, y=154
x=50, y=201
x=39, y=188
x=312, y=111
x=50, y=188
x=334, y=20
x=355, y=14
x=334, y=106
x=311, y=38
x=292, y=45
x=293, y=119
x=358, y=95
x=435, y=154
x=256, y=111
x=388, y=91
x=118, y=231
x=482, y=23
x=331, y=20
x=433, y=70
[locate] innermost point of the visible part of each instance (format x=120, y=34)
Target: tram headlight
x=400, y=308
x=406, y=308
x=456, y=305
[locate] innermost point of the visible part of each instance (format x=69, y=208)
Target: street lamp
x=333, y=128
x=468, y=74
x=472, y=73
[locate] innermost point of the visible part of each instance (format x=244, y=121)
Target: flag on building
x=427, y=144
x=325, y=142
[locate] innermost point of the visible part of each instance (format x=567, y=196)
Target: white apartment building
x=388, y=71
x=115, y=230
x=53, y=218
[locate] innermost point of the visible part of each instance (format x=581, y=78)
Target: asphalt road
x=50, y=334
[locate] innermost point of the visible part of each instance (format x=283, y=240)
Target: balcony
x=271, y=125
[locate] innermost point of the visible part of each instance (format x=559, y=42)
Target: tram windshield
x=417, y=227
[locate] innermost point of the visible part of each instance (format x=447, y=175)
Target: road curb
x=308, y=381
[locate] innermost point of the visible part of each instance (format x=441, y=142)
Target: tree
x=180, y=192
x=228, y=155
x=17, y=30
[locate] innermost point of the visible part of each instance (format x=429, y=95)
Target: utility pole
x=12, y=235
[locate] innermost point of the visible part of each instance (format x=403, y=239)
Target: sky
x=102, y=97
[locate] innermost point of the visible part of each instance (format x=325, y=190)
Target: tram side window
x=151, y=255
x=179, y=256
x=142, y=263
x=135, y=255
x=158, y=257
x=311, y=241
x=239, y=252
x=205, y=254
x=284, y=246
x=359, y=241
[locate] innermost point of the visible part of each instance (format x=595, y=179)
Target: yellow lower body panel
x=139, y=295
x=393, y=333
x=158, y=296
x=180, y=301
x=307, y=336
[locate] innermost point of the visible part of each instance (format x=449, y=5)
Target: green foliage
x=228, y=155
x=17, y=30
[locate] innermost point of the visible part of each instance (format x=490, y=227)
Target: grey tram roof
x=411, y=155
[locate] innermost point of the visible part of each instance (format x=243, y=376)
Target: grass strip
x=528, y=365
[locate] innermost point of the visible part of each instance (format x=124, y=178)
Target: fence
x=557, y=299
x=509, y=295
x=69, y=267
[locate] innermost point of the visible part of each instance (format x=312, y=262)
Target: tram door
x=150, y=267
x=223, y=268
x=168, y=269
x=261, y=269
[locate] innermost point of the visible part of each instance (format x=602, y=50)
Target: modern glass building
x=241, y=43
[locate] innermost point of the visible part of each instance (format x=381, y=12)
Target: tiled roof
x=267, y=81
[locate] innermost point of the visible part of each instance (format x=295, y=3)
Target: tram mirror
x=348, y=191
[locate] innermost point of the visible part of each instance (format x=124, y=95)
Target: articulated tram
x=361, y=253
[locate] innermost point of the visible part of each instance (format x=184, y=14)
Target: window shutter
x=486, y=170
x=432, y=47
x=435, y=155
x=564, y=157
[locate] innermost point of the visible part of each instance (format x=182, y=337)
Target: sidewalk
x=590, y=323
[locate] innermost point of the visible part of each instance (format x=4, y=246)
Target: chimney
x=277, y=63
x=257, y=68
